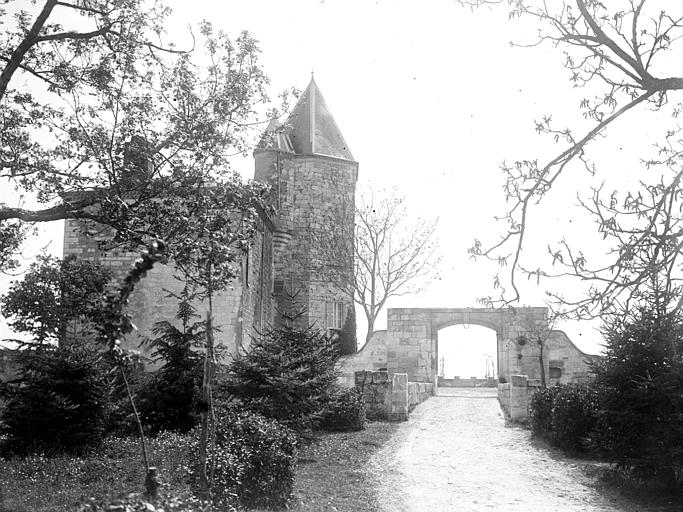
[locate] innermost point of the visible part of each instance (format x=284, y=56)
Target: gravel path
x=455, y=454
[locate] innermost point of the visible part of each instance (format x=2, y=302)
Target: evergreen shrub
x=287, y=374
x=59, y=402
x=640, y=427
x=344, y=412
x=170, y=397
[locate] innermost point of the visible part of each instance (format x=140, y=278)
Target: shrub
x=287, y=374
x=169, y=399
x=641, y=380
x=60, y=402
x=348, y=344
x=344, y=412
x=540, y=411
x=574, y=414
x=253, y=461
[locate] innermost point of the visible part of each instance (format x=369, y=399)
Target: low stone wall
x=385, y=394
x=418, y=392
x=472, y=382
x=514, y=398
x=389, y=396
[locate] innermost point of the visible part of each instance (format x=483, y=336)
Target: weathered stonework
x=240, y=311
x=410, y=345
x=389, y=396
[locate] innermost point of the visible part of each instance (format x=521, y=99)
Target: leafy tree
x=219, y=225
x=537, y=332
x=625, y=56
x=390, y=254
x=135, y=129
x=58, y=299
x=287, y=374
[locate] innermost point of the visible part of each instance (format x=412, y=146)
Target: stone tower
x=313, y=178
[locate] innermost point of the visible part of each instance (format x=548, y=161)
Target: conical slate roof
x=309, y=129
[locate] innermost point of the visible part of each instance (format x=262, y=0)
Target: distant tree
x=536, y=332
x=54, y=294
x=626, y=55
x=348, y=343
x=102, y=120
x=391, y=253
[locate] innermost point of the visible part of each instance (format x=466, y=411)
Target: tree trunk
x=540, y=360
x=206, y=412
x=371, y=329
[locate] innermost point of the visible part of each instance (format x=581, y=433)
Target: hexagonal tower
x=313, y=178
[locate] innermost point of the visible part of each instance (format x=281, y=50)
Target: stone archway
x=409, y=344
x=412, y=337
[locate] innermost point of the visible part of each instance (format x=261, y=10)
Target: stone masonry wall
x=385, y=395
x=373, y=357
x=313, y=195
x=410, y=344
x=237, y=311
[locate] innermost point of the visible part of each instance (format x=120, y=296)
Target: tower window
x=335, y=315
x=278, y=287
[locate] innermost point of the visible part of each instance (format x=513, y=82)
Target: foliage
x=641, y=382
x=54, y=294
x=344, y=411
x=574, y=413
x=136, y=126
x=625, y=57
x=348, y=343
x=565, y=414
x=253, y=461
x=537, y=331
x=541, y=410
x=169, y=400
x=287, y=374
x=12, y=234
x=136, y=503
x=59, y=401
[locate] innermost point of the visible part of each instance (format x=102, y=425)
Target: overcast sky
x=431, y=97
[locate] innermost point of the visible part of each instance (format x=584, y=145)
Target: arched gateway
x=410, y=344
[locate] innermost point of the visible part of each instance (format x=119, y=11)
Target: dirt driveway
x=455, y=454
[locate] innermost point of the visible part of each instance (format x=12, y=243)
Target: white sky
x=430, y=98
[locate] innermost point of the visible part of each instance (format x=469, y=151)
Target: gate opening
x=467, y=357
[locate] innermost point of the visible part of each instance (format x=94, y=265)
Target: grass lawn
x=329, y=474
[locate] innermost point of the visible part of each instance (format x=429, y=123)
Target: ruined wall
x=372, y=356
x=245, y=306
